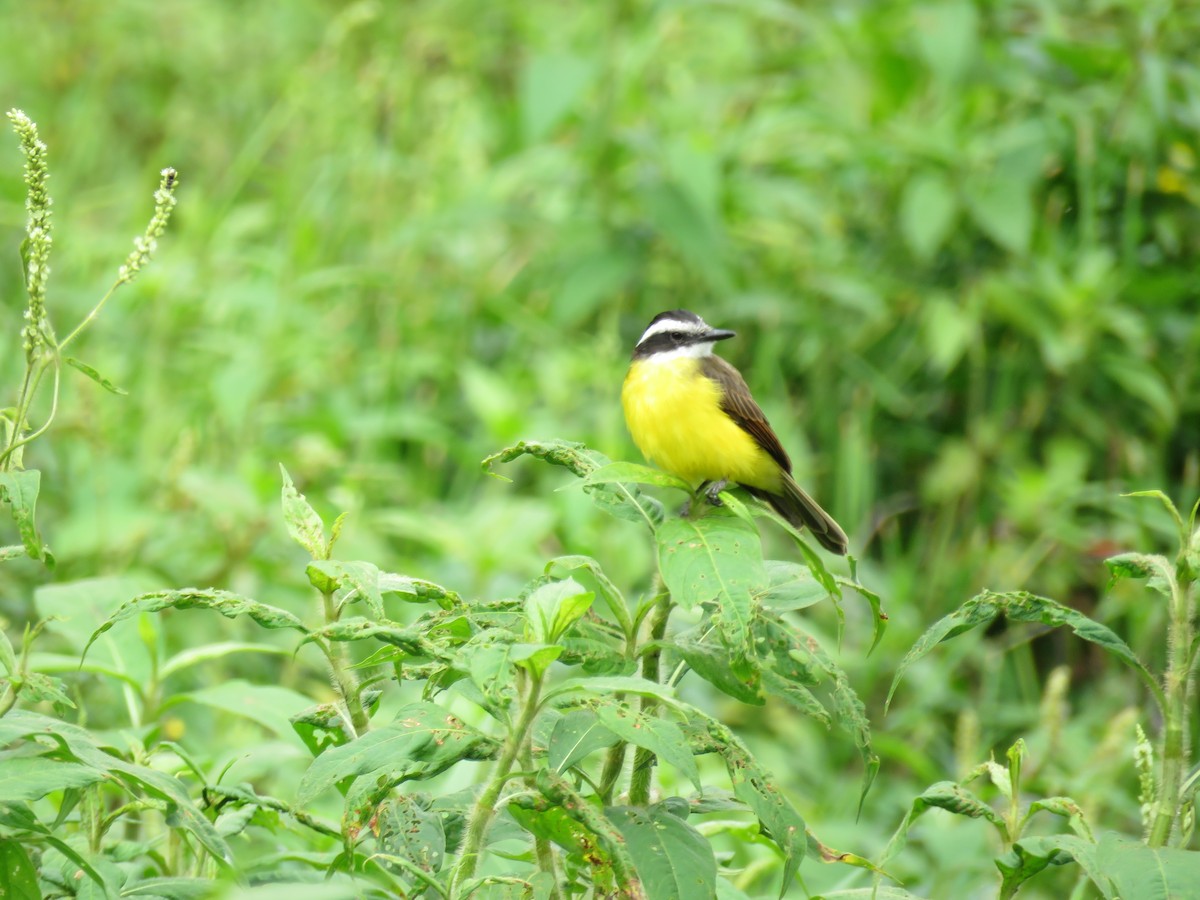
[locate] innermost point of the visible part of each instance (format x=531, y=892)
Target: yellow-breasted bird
x=691, y=413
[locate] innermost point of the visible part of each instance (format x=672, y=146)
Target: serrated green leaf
x=303, y=523
x=576, y=734
x=227, y=604
x=672, y=858
x=660, y=736
x=95, y=376
x=423, y=740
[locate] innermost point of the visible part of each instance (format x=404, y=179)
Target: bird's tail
x=803, y=511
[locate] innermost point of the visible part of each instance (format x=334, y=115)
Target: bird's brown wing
x=740, y=406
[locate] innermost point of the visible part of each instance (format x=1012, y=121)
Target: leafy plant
x=1118, y=867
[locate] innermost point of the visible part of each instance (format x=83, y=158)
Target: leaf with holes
x=423, y=740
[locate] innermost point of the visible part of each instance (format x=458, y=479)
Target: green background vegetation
x=959, y=242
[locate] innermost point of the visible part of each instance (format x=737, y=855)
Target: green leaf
x=19, y=491
x=1020, y=606
x=1030, y=856
x=756, y=787
x=717, y=558
x=613, y=598
x=712, y=664
x=355, y=628
x=8, y=657
x=269, y=705
x=620, y=500
x=790, y=586
x=1068, y=809
x=360, y=577
x=672, y=858
x=927, y=210
x=31, y=778
x=558, y=790
x=1002, y=207
x=635, y=473
x=550, y=84
x=1122, y=868
x=945, y=795
x=406, y=828
x=227, y=604
x=423, y=740
x=554, y=607
x=576, y=734
x=18, y=877
x=303, y=523
x=83, y=747
x=660, y=736
x=95, y=376
x=1157, y=570
x=606, y=685
x=535, y=658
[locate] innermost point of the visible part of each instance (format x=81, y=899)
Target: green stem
x=89, y=317
x=643, y=759
x=343, y=678
x=614, y=762
x=541, y=846
x=33, y=379
x=1176, y=688
x=485, y=805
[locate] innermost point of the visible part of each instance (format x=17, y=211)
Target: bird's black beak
x=719, y=334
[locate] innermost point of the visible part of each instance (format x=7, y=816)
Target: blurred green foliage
x=959, y=242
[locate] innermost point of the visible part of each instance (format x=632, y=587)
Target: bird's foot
x=713, y=491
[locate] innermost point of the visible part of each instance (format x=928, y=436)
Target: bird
x=691, y=413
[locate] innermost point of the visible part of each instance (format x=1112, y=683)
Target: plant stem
x=643, y=759
x=541, y=846
x=614, y=762
x=484, y=809
x=343, y=678
x=1176, y=686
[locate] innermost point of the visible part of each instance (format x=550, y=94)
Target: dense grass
x=959, y=243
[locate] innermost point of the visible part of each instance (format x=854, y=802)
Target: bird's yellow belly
x=674, y=415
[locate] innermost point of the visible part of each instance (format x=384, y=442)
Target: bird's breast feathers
x=675, y=416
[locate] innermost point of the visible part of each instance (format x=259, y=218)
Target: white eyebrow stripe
x=672, y=325
x=688, y=351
